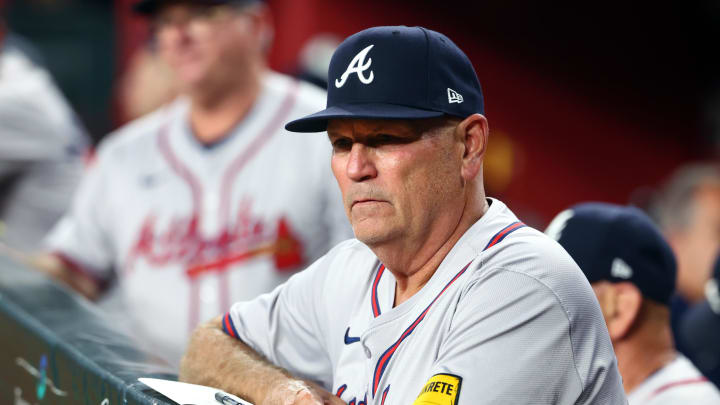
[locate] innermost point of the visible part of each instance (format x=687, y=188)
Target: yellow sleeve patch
x=441, y=389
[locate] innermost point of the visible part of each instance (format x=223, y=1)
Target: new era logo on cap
x=454, y=96
x=620, y=269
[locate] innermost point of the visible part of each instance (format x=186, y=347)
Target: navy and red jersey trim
x=385, y=358
x=674, y=384
x=75, y=266
x=503, y=233
x=384, y=395
x=340, y=390
x=229, y=326
x=374, y=298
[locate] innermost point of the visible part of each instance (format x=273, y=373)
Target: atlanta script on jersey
x=191, y=228
x=508, y=317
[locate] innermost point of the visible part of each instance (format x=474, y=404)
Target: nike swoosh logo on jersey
x=350, y=340
x=149, y=180
x=152, y=179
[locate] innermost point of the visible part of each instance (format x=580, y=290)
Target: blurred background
x=586, y=100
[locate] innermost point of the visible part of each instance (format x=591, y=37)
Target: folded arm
x=215, y=359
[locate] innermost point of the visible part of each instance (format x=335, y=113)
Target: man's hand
x=296, y=392
x=52, y=266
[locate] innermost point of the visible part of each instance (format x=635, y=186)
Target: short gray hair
x=672, y=207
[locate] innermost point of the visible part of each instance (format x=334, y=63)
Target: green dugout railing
x=57, y=348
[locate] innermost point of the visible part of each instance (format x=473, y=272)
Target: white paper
x=186, y=394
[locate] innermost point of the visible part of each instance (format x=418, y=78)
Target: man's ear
x=627, y=301
x=261, y=25
x=473, y=133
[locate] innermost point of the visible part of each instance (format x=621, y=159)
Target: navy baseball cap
x=150, y=7
x=397, y=73
x=617, y=243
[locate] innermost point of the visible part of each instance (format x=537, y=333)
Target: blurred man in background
x=42, y=148
x=632, y=270
x=688, y=213
x=206, y=201
x=700, y=329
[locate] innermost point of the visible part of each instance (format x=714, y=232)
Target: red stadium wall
x=553, y=145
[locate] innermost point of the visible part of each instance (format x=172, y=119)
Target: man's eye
x=205, y=12
x=386, y=139
x=341, y=144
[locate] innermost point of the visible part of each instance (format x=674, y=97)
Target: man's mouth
x=365, y=201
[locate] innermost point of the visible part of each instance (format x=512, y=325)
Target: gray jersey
x=507, y=318
x=190, y=228
x=41, y=150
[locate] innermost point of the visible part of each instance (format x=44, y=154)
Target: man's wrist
x=284, y=391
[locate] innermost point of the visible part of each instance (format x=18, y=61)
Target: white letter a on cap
x=358, y=66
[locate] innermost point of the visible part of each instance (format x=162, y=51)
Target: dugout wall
x=57, y=348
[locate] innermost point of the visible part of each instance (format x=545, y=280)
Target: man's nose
x=175, y=32
x=360, y=166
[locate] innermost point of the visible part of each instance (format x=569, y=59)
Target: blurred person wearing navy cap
x=444, y=297
x=632, y=271
x=196, y=205
x=700, y=329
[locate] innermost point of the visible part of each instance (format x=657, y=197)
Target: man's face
x=204, y=44
x=601, y=289
x=697, y=246
x=399, y=179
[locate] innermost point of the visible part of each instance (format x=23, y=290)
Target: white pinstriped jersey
x=191, y=228
x=507, y=318
x=679, y=382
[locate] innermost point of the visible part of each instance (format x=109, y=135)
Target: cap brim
x=318, y=122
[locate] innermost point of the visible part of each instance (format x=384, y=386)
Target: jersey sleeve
x=284, y=326
x=510, y=342
x=82, y=236
x=36, y=123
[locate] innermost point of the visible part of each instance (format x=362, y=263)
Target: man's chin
x=191, y=78
x=371, y=234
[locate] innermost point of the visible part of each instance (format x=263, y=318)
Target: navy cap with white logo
x=397, y=73
x=617, y=243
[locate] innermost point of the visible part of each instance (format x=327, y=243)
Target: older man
x=688, y=213
x=444, y=297
x=632, y=270
x=208, y=200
